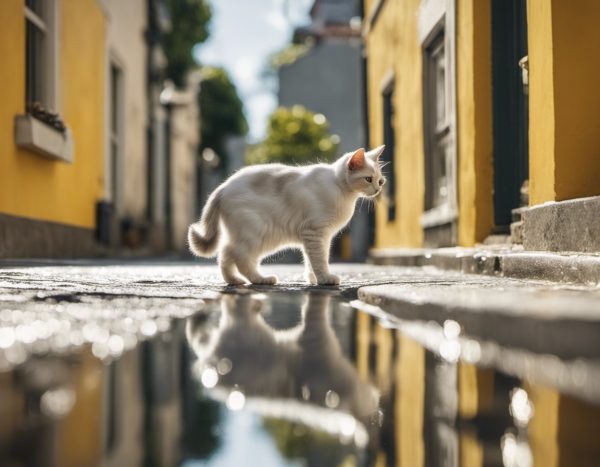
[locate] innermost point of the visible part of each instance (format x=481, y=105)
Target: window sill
x=36, y=136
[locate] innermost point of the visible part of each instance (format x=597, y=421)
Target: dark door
x=510, y=109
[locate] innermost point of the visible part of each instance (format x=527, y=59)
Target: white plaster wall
x=185, y=132
x=126, y=23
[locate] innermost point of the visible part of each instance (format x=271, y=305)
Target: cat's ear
x=357, y=160
x=375, y=154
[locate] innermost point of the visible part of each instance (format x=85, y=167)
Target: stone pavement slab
x=541, y=317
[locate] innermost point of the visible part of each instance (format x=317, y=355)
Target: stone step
x=516, y=233
x=517, y=214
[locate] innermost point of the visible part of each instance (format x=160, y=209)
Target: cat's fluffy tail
x=206, y=244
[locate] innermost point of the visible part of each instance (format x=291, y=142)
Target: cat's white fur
x=266, y=208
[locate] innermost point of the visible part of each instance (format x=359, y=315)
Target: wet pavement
x=160, y=364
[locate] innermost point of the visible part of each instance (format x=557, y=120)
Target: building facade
x=51, y=176
x=84, y=137
x=489, y=111
x=183, y=136
x=126, y=165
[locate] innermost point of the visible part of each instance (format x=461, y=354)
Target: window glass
x=38, y=53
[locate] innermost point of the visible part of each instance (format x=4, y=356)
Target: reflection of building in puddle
x=76, y=410
x=457, y=401
x=50, y=412
x=298, y=374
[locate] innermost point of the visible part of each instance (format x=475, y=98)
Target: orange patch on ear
x=357, y=160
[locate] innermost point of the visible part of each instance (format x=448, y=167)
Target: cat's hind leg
x=247, y=264
x=245, y=248
x=228, y=268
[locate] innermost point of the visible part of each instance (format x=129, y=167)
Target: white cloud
x=277, y=20
x=246, y=72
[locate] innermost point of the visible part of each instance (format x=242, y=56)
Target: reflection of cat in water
x=304, y=363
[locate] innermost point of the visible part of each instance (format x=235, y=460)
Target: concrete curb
x=572, y=268
x=560, y=322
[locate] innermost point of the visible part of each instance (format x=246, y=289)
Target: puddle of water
x=294, y=379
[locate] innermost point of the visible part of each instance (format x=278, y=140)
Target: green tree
x=288, y=55
x=190, y=20
x=221, y=111
x=295, y=136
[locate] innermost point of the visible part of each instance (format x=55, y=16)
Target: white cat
x=266, y=208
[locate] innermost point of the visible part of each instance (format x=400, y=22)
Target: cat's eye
x=369, y=179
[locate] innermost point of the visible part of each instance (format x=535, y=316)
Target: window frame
x=436, y=18
x=115, y=125
x=48, y=25
x=31, y=132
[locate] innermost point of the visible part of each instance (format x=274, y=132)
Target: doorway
x=510, y=110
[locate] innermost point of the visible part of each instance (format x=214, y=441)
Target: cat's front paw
x=328, y=279
x=268, y=280
x=234, y=281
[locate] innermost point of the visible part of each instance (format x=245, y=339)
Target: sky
x=244, y=438
x=243, y=34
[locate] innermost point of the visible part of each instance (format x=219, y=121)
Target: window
x=438, y=166
x=440, y=207
x=116, y=129
x=437, y=35
x=389, y=141
x=41, y=130
x=40, y=53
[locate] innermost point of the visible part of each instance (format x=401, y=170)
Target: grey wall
x=335, y=11
x=327, y=81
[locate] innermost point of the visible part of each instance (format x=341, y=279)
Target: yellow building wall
x=541, y=102
x=392, y=46
x=576, y=45
x=564, y=99
x=564, y=110
x=474, y=121
x=33, y=186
